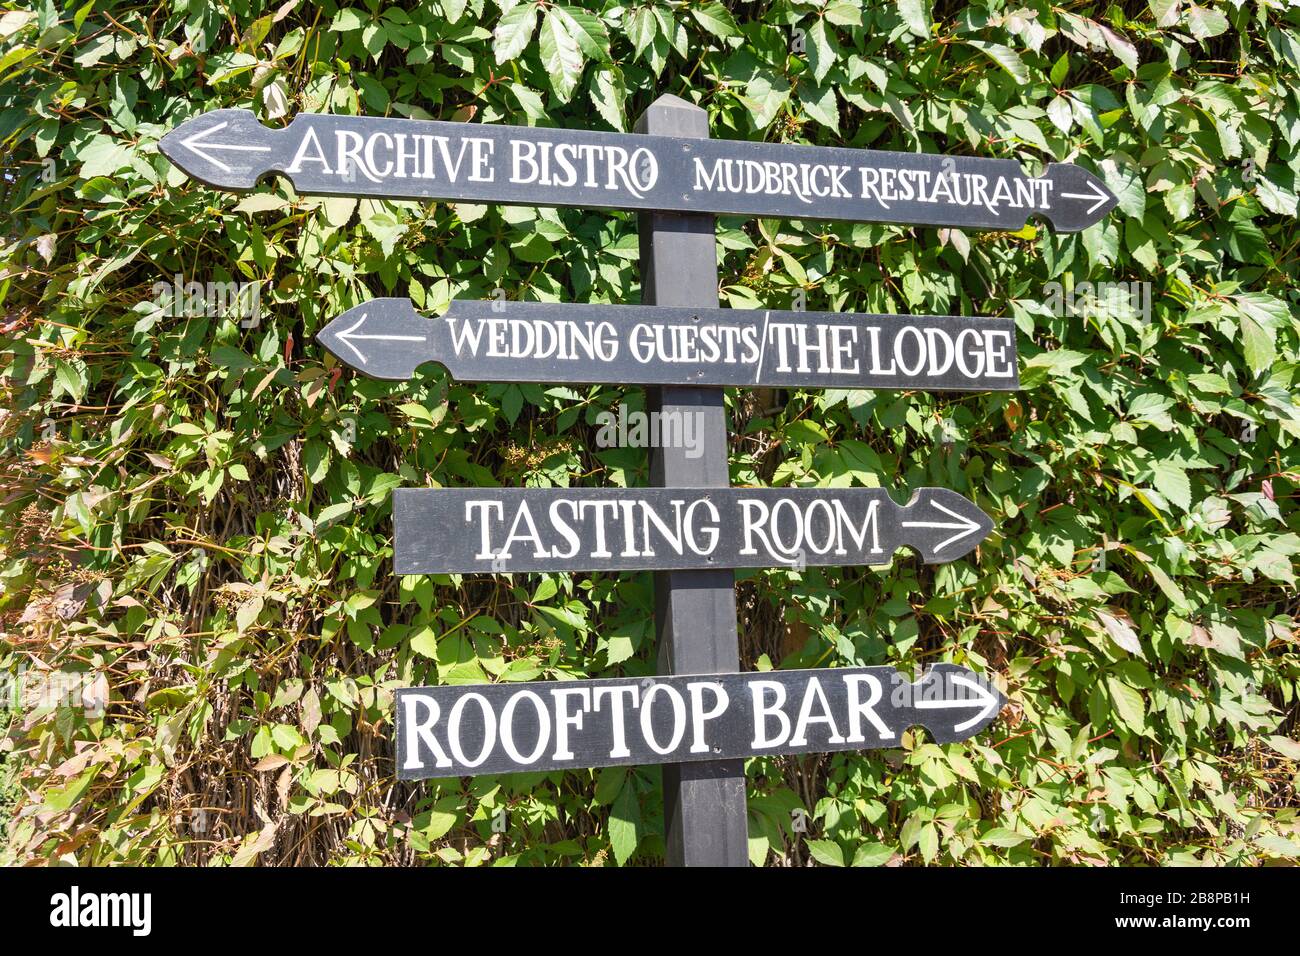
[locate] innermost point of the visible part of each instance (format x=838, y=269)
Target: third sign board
x=502, y=530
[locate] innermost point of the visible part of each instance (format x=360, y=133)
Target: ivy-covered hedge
x=196, y=526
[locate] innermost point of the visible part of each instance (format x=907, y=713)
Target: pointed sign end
x=1079, y=198
x=942, y=525
x=955, y=703
x=383, y=338
x=226, y=149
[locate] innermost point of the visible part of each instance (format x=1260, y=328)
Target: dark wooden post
x=695, y=611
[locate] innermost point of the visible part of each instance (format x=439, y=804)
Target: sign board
x=503, y=530
x=330, y=155
x=495, y=341
x=558, y=725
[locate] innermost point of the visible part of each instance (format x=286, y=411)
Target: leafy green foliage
x=196, y=505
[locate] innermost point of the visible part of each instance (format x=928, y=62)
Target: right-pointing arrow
x=963, y=525
x=943, y=525
x=1095, y=194
x=1078, y=198
x=986, y=703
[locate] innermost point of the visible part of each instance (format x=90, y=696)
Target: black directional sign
x=496, y=341
x=498, y=530
x=419, y=159
x=557, y=725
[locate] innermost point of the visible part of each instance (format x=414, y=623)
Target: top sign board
x=331, y=155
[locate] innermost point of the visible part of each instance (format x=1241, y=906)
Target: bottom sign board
x=556, y=725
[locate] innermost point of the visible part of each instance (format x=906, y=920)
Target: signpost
x=324, y=154
x=479, y=341
x=700, y=718
x=561, y=725
x=505, y=530
x=705, y=818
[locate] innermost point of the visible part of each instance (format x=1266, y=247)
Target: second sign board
x=480, y=341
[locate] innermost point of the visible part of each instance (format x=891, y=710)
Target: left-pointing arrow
x=354, y=334
x=382, y=338
x=228, y=149
x=201, y=143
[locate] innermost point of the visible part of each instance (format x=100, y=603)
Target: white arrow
x=983, y=699
x=347, y=337
x=1096, y=194
x=964, y=526
x=197, y=144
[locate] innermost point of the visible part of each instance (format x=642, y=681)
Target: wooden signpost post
x=702, y=717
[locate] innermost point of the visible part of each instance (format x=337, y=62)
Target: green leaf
x=589, y=30
x=349, y=19
x=843, y=13
x=641, y=27
x=621, y=647
x=1285, y=746
x=1004, y=57
x=928, y=843
x=821, y=51
x=1119, y=625
x=72, y=378
x=1003, y=837
x=916, y=14
x=624, y=821
x=717, y=19
x=1276, y=197
x=826, y=852
x=1262, y=315
x=385, y=228
x=453, y=10
x=1128, y=704
x=1172, y=482
x=560, y=55
x=609, y=784
x=872, y=854
x=1205, y=22
x=611, y=97
x=425, y=643
x=514, y=30
x=820, y=104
